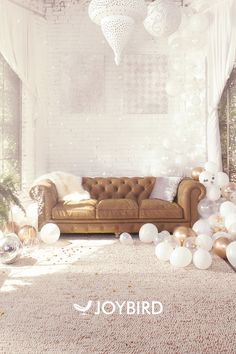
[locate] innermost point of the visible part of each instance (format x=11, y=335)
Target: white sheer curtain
x=16, y=42
x=22, y=44
x=221, y=57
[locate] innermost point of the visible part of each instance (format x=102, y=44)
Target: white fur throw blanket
x=69, y=187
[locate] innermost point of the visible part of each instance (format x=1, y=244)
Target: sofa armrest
x=45, y=194
x=189, y=193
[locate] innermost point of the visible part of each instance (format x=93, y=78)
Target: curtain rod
x=26, y=8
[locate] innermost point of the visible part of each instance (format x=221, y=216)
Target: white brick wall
x=88, y=130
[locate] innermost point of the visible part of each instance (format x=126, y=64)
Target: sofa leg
x=117, y=235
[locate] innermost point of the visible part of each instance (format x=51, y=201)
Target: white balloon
x=195, y=100
x=173, y=88
x=126, y=239
x=181, y=257
x=211, y=167
x=163, y=251
x=222, y=179
x=198, y=23
x=32, y=210
x=50, y=233
x=227, y=208
x=202, y=259
x=206, y=178
x=219, y=234
x=230, y=219
x=32, y=214
x=175, y=43
x=147, y=233
x=17, y=214
x=204, y=241
x=206, y=208
x=231, y=253
x=216, y=220
x=202, y=227
x=213, y=193
x=161, y=236
x=232, y=231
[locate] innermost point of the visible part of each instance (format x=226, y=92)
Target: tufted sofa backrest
x=136, y=188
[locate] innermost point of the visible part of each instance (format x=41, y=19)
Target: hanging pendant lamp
x=117, y=19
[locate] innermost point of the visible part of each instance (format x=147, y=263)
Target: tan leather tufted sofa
x=118, y=205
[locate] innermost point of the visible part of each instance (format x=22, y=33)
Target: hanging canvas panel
x=80, y=91
x=144, y=79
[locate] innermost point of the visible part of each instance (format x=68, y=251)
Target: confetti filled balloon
x=27, y=234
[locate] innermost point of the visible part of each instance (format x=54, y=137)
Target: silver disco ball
x=10, y=248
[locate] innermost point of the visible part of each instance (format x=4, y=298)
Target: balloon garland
x=215, y=231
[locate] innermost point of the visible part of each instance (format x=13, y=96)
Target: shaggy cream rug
x=38, y=294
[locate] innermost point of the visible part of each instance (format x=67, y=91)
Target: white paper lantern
x=98, y=9
x=202, y=259
x=117, y=18
x=117, y=31
x=164, y=18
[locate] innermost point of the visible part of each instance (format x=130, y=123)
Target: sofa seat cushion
x=159, y=209
x=117, y=209
x=85, y=209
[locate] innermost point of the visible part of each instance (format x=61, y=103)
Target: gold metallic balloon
x=26, y=234
x=228, y=190
x=196, y=172
x=219, y=246
x=182, y=232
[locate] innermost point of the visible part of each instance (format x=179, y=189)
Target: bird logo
x=83, y=309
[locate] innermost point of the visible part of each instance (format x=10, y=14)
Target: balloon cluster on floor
x=21, y=234
x=214, y=232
